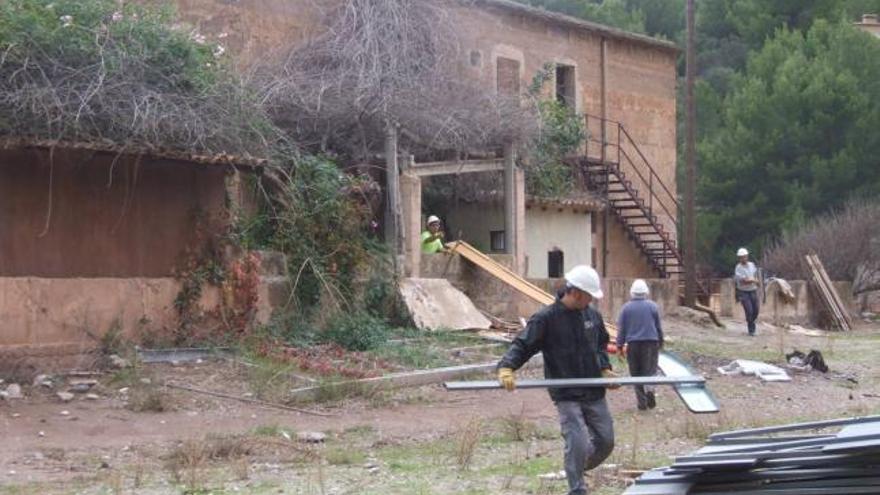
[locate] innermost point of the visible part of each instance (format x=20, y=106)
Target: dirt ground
x=136, y=436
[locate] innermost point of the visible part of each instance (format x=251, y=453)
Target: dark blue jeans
x=751, y=306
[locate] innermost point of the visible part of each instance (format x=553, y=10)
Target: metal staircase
x=614, y=166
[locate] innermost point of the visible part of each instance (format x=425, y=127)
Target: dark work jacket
x=574, y=345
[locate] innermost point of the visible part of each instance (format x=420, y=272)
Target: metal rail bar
x=813, y=425
x=577, y=382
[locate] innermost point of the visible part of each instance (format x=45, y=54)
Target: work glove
x=507, y=379
x=607, y=373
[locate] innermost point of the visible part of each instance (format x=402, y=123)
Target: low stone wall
x=495, y=297
x=59, y=318
x=805, y=309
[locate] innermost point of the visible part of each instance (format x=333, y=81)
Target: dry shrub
x=187, y=461
x=107, y=71
x=846, y=241
x=387, y=61
x=467, y=441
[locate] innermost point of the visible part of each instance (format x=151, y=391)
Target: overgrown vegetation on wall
x=100, y=70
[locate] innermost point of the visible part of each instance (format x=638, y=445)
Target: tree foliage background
x=788, y=102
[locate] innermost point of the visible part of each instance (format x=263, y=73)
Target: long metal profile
x=814, y=425
x=578, y=382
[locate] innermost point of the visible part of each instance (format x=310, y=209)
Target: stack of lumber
x=760, y=461
x=840, y=316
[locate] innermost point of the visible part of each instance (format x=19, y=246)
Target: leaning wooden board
x=832, y=290
x=829, y=293
x=509, y=277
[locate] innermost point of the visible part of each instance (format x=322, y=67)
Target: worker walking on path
x=573, y=339
x=640, y=338
x=432, y=239
x=746, y=278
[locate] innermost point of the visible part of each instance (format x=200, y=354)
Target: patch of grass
x=148, y=398
x=272, y=431
x=344, y=456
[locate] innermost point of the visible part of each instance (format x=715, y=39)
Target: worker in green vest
x=432, y=239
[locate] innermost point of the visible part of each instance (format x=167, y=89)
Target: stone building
x=870, y=24
x=624, y=81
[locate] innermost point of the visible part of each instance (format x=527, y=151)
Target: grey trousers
x=642, y=356
x=588, y=431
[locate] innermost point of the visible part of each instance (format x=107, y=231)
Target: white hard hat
x=433, y=219
x=586, y=279
x=639, y=288
x=742, y=252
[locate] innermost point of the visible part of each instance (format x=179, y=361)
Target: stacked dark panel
x=834, y=457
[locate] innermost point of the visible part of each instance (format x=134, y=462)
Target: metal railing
x=608, y=141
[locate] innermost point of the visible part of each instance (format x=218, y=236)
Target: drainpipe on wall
x=603, y=96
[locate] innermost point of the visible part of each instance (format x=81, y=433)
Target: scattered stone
x=43, y=381
x=13, y=391
x=11, y=472
x=146, y=381
x=105, y=465
x=16, y=415
x=65, y=396
x=65, y=413
x=123, y=390
x=373, y=470
x=118, y=362
x=41, y=433
x=311, y=437
x=93, y=396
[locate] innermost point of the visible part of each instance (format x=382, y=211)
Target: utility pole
x=690, y=237
x=393, y=224
x=509, y=199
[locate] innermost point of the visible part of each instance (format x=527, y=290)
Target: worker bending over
x=573, y=339
x=640, y=338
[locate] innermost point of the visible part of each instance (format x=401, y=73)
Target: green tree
x=797, y=136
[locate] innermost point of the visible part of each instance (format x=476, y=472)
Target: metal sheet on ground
x=435, y=304
x=696, y=397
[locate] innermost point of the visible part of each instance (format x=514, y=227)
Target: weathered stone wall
x=805, y=310
x=105, y=215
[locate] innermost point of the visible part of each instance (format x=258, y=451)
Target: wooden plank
x=510, y=278
x=833, y=290
x=825, y=294
x=839, y=310
x=462, y=167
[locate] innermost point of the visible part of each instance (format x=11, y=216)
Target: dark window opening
x=507, y=75
x=555, y=263
x=496, y=241
x=565, y=87
x=476, y=58
x=593, y=255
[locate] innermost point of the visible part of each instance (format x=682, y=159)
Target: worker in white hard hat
x=432, y=239
x=745, y=275
x=640, y=338
x=572, y=337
